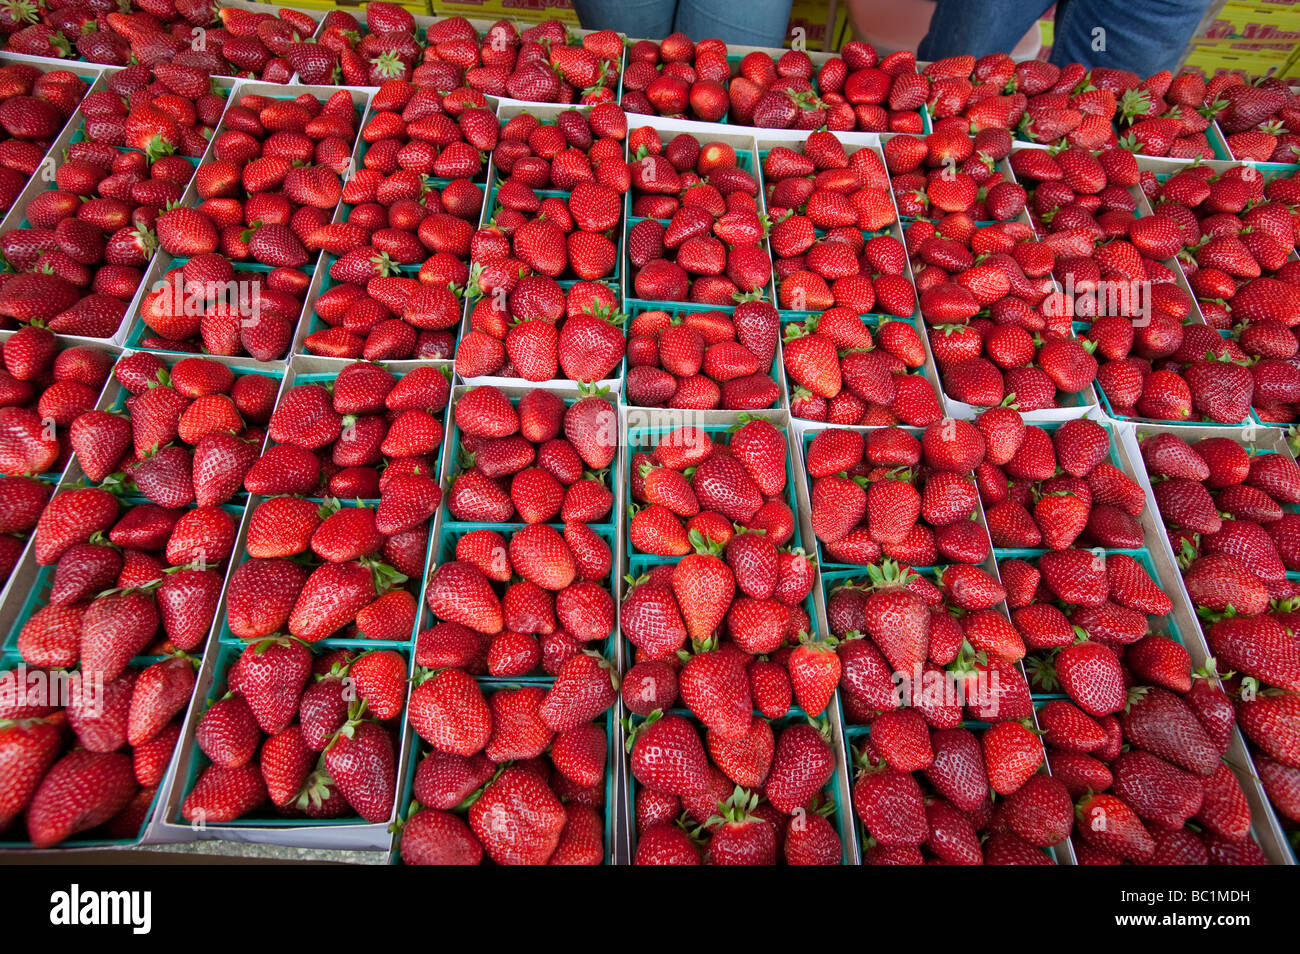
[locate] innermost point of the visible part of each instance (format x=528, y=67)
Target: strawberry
x=667, y=755
x=224, y=794
x=80, y=792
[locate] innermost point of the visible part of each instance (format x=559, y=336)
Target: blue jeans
x=743, y=22
x=1144, y=36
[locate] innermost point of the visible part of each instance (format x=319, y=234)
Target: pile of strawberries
x=690, y=490
x=348, y=52
x=998, y=329
x=724, y=632
x=855, y=90
x=1138, y=740
x=1234, y=236
x=541, y=64
x=553, y=605
x=1072, y=105
x=896, y=494
x=34, y=106
x=950, y=172
x=183, y=434
x=44, y=388
x=124, y=575
x=211, y=305
x=926, y=778
x=529, y=761
x=82, y=257
x=525, y=324
x=1231, y=518
x=704, y=360
x=749, y=793
x=274, y=178
x=1055, y=489
x=928, y=791
x=315, y=734
x=533, y=459
x=397, y=221
x=91, y=766
x=823, y=187
x=710, y=251
x=840, y=372
x=1260, y=118
x=246, y=43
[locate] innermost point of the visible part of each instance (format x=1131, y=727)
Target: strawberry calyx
x=315, y=790
x=736, y=810
x=385, y=577
x=1041, y=671
x=634, y=730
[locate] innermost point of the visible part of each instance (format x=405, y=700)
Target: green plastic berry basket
x=119, y=406
x=832, y=569
x=609, y=809
x=413, y=586
x=264, y=817
x=449, y=522
x=313, y=323
x=833, y=793
x=327, y=379
x=678, y=310
x=38, y=595
x=139, y=331
x=15, y=838
x=620, y=240
x=645, y=438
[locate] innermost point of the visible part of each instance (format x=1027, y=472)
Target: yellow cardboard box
x=811, y=17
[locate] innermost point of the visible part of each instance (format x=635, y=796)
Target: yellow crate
x=531, y=11
x=1247, y=62
x=811, y=18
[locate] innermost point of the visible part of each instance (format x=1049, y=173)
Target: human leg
x=744, y=22
x=643, y=19
x=963, y=27
x=1144, y=37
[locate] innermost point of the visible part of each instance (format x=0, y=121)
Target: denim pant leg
x=967, y=27
x=639, y=19
x=743, y=22
x=1145, y=37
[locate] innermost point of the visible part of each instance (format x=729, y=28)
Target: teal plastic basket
x=188, y=773
x=620, y=241
x=453, y=438
x=823, y=560
x=644, y=439
x=314, y=323
x=38, y=595
x=15, y=838
x=834, y=791
x=412, y=585
x=420, y=749
x=139, y=330
x=678, y=310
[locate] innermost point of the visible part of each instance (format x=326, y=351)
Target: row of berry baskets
x=623, y=783
x=308, y=330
